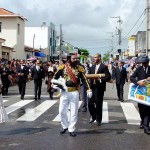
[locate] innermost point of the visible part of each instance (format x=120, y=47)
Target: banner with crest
x=139, y=94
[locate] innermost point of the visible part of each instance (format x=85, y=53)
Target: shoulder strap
x=71, y=74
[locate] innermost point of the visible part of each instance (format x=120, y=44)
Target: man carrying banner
x=72, y=73
x=141, y=73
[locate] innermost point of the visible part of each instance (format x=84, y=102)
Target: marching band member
x=98, y=87
x=72, y=73
x=143, y=72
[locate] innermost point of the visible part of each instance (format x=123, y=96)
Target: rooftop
x=7, y=13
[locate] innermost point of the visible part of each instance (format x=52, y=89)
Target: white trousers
x=69, y=100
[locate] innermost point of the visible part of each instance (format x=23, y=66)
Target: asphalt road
x=34, y=125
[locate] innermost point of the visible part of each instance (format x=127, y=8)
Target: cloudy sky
x=85, y=23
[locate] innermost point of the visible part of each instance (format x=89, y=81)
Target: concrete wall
x=13, y=39
x=40, y=39
x=141, y=40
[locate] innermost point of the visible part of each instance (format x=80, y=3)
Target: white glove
x=55, y=87
x=89, y=94
x=60, y=83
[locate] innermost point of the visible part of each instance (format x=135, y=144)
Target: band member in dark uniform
x=120, y=77
x=38, y=74
x=72, y=73
x=98, y=87
x=5, y=72
x=22, y=72
x=141, y=73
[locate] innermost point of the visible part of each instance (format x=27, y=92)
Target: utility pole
x=61, y=41
x=33, y=45
x=119, y=32
x=148, y=28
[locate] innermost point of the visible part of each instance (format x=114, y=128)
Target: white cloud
x=81, y=19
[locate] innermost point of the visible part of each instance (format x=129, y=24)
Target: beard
x=73, y=64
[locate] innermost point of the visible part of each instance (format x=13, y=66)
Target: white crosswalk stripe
x=34, y=113
x=105, y=118
x=5, y=101
x=129, y=111
x=17, y=105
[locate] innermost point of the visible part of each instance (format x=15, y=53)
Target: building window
x=18, y=28
x=0, y=26
x=5, y=55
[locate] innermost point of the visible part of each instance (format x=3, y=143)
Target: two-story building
x=12, y=28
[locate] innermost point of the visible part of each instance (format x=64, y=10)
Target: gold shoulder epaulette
x=81, y=69
x=60, y=67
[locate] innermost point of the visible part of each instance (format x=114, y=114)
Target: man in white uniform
x=72, y=73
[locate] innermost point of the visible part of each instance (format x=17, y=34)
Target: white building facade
x=41, y=38
x=12, y=29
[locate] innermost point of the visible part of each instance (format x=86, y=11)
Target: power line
x=134, y=24
x=135, y=30
x=140, y=24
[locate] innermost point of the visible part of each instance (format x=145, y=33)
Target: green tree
x=84, y=53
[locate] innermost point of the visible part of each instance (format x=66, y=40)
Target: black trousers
x=37, y=87
x=144, y=112
x=120, y=91
x=83, y=95
x=22, y=86
x=95, y=104
x=5, y=86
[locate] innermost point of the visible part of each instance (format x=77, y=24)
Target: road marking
x=44, y=96
x=57, y=118
x=5, y=101
x=105, y=118
x=131, y=113
x=34, y=113
x=17, y=105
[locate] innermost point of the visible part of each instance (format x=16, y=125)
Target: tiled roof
x=2, y=40
x=10, y=48
x=5, y=12
x=30, y=49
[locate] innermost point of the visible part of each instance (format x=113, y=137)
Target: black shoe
x=35, y=98
x=63, y=131
x=122, y=100
x=22, y=97
x=92, y=120
x=84, y=110
x=147, y=131
x=141, y=126
x=98, y=123
x=39, y=98
x=72, y=134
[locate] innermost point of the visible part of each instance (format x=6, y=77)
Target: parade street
x=35, y=125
